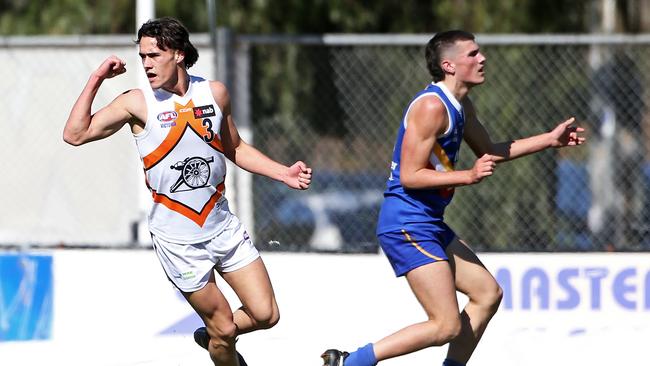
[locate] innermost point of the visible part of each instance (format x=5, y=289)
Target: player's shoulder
x=219, y=92
x=133, y=102
x=131, y=97
x=132, y=94
x=128, y=97
x=217, y=86
x=429, y=103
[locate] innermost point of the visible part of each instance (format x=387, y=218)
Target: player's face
x=469, y=63
x=159, y=65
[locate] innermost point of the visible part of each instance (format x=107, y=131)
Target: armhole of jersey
x=148, y=99
x=450, y=125
x=216, y=105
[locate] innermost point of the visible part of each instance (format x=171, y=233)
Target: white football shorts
x=189, y=266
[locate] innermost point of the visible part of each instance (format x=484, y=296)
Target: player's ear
x=180, y=56
x=448, y=67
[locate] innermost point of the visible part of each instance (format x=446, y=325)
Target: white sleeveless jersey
x=184, y=164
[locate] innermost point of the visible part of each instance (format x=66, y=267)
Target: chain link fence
x=336, y=102
x=341, y=107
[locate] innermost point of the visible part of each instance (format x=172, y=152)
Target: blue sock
x=364, y=356
x=450, y=362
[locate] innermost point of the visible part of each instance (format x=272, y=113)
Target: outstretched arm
x=247, y=157
x=81, y=126
x=564, y=134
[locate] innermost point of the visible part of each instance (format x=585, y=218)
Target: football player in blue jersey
x=411, y=230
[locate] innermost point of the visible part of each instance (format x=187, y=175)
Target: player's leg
x=259, y=309
x=484, y=293
x=213, y=308
x=252, y=285
x=433, y=286
x=244, y=270
x=420, y=257
x=190, y=268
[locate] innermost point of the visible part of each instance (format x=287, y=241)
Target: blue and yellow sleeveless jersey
x=420, y=207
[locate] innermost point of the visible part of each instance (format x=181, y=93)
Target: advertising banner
x=26, y=291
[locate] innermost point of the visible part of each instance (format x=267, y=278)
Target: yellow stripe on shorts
x=418, y=247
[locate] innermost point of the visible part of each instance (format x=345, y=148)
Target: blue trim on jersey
x=404, y=208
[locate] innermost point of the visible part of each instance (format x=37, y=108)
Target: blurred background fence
x=335, y=101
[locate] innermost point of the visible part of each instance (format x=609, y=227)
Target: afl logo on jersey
x=167, y=119
x=204, y=111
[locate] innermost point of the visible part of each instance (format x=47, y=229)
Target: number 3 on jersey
x=209, y=136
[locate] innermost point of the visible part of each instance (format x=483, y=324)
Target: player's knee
x=267, y=317
x=444, y=330
x=222, y=332
x=497, y=298
x=274, y=318
x=489, y=298
x=492, y=298
x=450, y=329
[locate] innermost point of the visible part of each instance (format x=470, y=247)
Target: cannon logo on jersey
x=204, y=111
x=195, y=173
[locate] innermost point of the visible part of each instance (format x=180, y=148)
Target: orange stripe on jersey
x=176, y=132
x=198, y=217
x=418, y=247
x=446, y=163
x=440, y=153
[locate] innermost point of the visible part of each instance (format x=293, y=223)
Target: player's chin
x=479, y=80
x=473, y=83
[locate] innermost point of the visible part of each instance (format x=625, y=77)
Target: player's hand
x=483, y=167
x=298, y=176
x=564, y=134
x=111, y=67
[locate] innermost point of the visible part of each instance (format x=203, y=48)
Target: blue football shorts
x=413, y=247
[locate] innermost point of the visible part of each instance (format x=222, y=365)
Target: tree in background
x=27, y=17
x=299, y=17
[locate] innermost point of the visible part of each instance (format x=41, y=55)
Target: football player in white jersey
x=184, y=123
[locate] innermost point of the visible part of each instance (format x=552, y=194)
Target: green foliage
x=513, y=16
x=66, y=17
x=300, y=17
x=403, y=16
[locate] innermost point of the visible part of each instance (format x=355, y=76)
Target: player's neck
x=457, y=88
x=180, y=84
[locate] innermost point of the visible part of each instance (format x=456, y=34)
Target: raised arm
x=82, y=126
x=247, y=157
x=476, y=136
x=427, y=119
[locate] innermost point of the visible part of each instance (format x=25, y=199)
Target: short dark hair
x=170, y=33
x=440, y=43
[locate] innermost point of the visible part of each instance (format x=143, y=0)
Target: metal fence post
x=233, y=71
x=242, y=113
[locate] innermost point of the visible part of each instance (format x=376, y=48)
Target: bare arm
x=247, y=157
x=427, y=119
x=476, y=136
x=82, y=126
